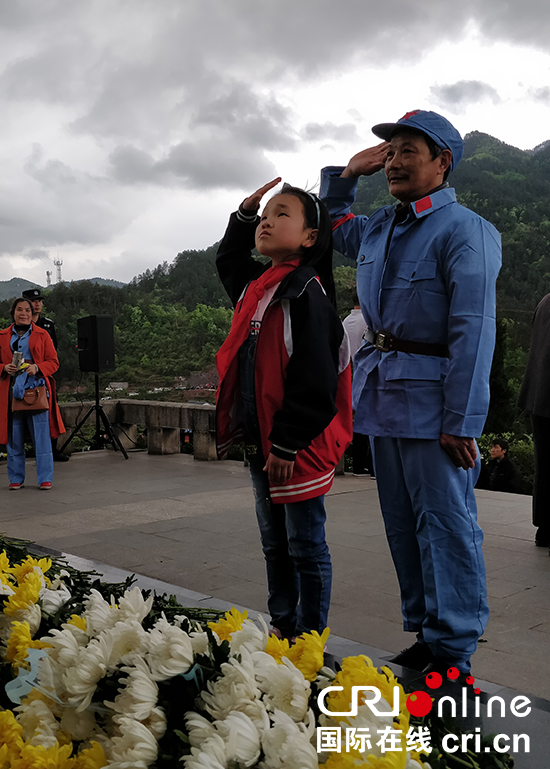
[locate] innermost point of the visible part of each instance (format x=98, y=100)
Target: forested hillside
x=171, y=320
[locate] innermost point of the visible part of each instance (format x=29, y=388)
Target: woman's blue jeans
x=39, y=428
x=299, y=569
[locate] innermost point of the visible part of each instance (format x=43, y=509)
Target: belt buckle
x=382, y=341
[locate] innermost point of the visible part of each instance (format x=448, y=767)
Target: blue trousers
x=39, y=428
x=430, y=514
x=299, y=569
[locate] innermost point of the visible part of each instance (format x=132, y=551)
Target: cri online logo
x=419, y=703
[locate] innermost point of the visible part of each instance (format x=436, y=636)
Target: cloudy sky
x=129, y=129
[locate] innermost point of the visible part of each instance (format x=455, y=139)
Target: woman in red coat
x=39, y=353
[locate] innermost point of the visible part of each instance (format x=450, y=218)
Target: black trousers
x=361, y=454
x=541, y=486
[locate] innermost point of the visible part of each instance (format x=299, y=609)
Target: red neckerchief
x=244, y=312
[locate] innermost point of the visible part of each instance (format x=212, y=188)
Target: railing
x=164, y=422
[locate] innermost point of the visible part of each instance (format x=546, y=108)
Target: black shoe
x=59, y=457
x=542, y=538
x=415, y=657
x=441, y=666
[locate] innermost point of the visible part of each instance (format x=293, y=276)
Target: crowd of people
x=421, y=335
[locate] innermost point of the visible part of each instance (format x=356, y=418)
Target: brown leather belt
x=386, y=342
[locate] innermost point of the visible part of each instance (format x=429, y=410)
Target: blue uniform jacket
x=430, y=279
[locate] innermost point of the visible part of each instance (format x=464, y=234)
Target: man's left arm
x=471, y=265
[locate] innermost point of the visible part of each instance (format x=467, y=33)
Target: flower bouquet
x=95, y=675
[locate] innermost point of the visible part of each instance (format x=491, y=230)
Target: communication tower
x=57, y=264
x=48, y=278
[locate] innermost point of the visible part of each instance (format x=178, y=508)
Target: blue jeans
x=299, y=569
x=430, y=513
x=39, y=429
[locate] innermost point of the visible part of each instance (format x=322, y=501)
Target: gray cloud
x=197, y=165
x=458, y=95
x=540, y=94
x=188, y=94
x=314, y=132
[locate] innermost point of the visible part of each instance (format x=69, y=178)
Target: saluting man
x=426, y=274
x=34, y=295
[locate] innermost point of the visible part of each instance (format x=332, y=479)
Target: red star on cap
x=407, y=115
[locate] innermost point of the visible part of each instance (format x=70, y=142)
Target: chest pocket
x=426, y=269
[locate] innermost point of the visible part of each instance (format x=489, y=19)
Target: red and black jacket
x=302, y=371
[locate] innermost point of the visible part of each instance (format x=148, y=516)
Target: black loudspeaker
x=96, y=343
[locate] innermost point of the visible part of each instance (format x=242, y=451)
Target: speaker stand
x=101, y=438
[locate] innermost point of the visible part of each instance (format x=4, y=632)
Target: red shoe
x=16, y=486
x=45, y=486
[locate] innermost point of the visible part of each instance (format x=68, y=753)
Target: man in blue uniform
x=426, y=273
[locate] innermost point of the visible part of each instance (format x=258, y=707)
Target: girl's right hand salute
x=252, y=204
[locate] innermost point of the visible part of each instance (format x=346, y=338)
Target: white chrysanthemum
x=6, y=590
x=99, y=615
x=284, y=686
x=199, y=728
x=210, y=755
x=32, y=614
x=156, y=723
x=250, y=637
x=81, y=679
x=412, y=764
x=129, y=640
x=287, y=745
x=134, y=748
x=57, y=581
x=139, y=695
x=241, y=737
x=79, y=725
x=169, y=651
x=39, y=724
x=133, y=605
x=52, y=600
x=199, y=642
x=236, y=689
x=65, y=647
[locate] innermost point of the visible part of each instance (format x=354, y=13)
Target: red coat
x=44, y=355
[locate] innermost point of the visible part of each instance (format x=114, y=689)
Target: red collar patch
x=423, y=205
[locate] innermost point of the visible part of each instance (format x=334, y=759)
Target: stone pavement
x=191, y=524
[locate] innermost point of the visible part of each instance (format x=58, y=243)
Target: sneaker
x=441, y=666
x=45, y=486
x=415, y=657
x=15, y=486
x=364, y=474
x=59, y=457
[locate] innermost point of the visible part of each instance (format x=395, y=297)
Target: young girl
x=285, y=387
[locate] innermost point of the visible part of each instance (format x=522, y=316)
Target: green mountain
x=9, y=289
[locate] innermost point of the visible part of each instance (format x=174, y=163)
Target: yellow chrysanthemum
x=359, y=671
x=91, y=758
x=25, y=593
x=20, y=642
x=26, y=567
x=5, y=760
x=10, y=738
x=5, y=576
x=77, y=621
x=64, y=737
x=306, y=653
x=37, y=757
x=342, y=761
x=277, y=648
x=225, y=627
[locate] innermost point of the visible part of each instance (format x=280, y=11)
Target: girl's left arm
x=311, y=383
